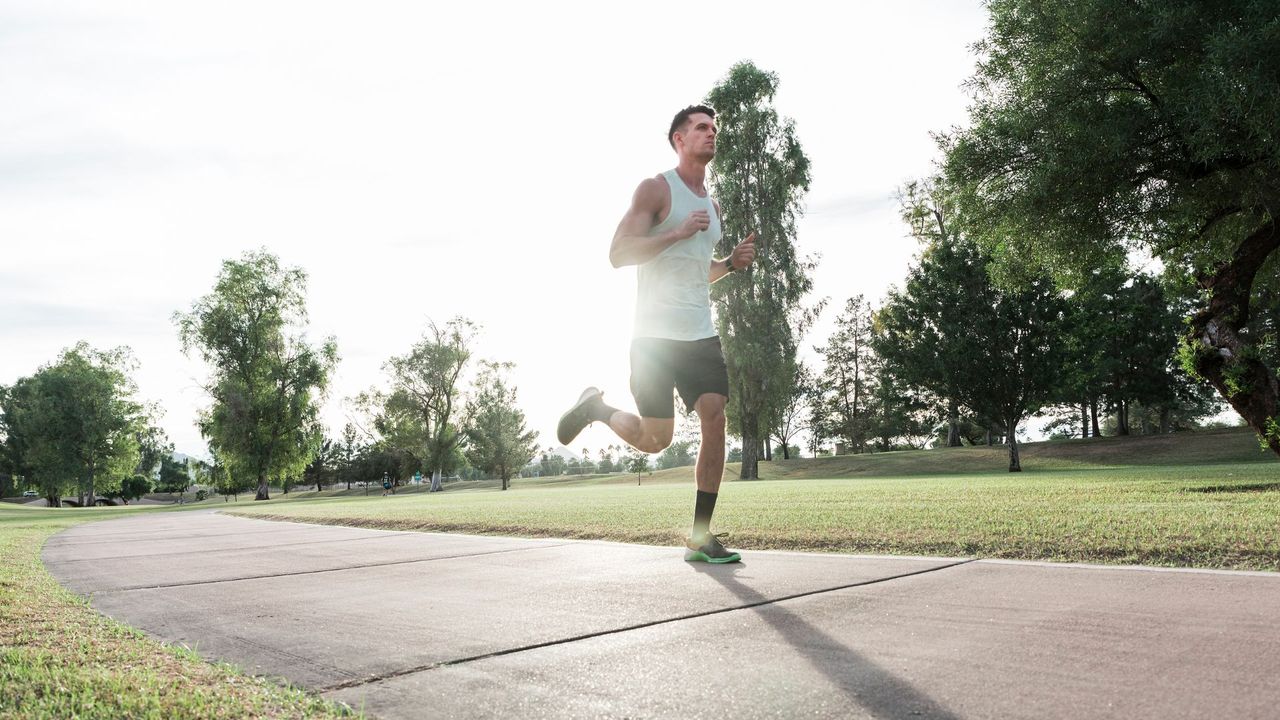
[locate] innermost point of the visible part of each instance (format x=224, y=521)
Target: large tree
x=996, y=351
x=424, y=411
x=267, y=380
x=76, y=422
x=497, y=440
x=760, y=175
x=1100, y=127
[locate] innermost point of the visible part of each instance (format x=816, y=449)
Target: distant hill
x=567, y=454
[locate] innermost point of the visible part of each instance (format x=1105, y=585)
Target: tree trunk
x=1084, y=418
x=750, y=446
x=786, y=452
x=1093, y=413
x=989, y=443
x=1122, y=418
x=1164, y=421
x=262, y=488
x=1229, y=363
x=768, y=448
x=435, y=481
x=953, y=424
x=506, y=482
x=1015, y=464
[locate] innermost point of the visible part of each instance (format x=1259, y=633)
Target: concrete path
x=416, y=625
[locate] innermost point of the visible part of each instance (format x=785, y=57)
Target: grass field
x=60, y=659
x=1198, y=500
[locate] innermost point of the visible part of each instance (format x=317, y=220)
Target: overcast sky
x=421, y=163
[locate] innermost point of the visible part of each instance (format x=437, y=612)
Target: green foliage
x=760, y=175
x=845, y=386
x=953, y=332
x=134, y=487
x=423, y=412
x=1101, y=128
x=175, y=476
x=678, y=454
x=497, y=440
x=267, y=381
x=73, y=426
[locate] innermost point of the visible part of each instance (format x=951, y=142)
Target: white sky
x=423, y=162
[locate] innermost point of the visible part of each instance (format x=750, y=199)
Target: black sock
x=702, y=509
x=599, y=412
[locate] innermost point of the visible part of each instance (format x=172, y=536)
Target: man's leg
x=646, y=434
x=710, y=468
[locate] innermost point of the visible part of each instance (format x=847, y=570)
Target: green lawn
x=60, y=659
x=1224, y=515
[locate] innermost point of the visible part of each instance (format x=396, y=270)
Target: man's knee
x=654, y=443
x=710, y=409
x=655, y=435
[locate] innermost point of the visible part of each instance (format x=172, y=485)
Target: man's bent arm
x=632, y=244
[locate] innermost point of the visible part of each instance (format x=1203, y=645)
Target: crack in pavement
x=317, y=572
x=615, y=631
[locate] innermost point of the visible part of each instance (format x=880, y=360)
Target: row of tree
x=437, y=411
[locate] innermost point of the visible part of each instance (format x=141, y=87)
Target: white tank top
x=673, y=290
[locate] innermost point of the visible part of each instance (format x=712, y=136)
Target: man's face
x=699, y=136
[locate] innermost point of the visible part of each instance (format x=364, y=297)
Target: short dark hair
x=682, y=117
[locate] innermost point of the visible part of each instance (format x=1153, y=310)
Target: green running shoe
x=710, y=551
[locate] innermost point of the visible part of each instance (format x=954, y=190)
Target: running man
x=669, y=233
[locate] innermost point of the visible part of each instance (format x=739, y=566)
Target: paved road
x=411, y=625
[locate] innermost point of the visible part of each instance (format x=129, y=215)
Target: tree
x=844, y=388
x=793, y=417
x=637, y=462
x=175, y=476
x=679, y=453
x=77, y=422
x=497, y=440
x=420, y=412
x=552, y=464
x=267, y=380
x=132, y=488
x=323, y=461
x=1099, y=127
x=955, y=333
x=13, y=445
x=152, y=444
x=760, y=175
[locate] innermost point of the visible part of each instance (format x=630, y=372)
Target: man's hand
x=697, y=221
x=744, y=254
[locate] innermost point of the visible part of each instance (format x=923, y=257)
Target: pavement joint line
x=317, y=572
x=68, y=542
x=616, y=631
x=119, y=558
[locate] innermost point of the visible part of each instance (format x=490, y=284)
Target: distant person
x=386, y=485
x=670, y=233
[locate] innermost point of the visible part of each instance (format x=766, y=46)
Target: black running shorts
x=691, y=367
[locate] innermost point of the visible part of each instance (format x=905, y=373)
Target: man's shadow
x=863, y=682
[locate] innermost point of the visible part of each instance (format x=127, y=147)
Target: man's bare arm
x=632, y=244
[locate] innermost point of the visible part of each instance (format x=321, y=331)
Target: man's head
x=693, y=131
